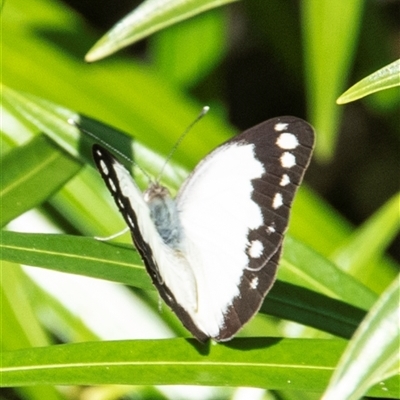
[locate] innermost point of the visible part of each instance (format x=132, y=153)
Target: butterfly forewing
x=233, y=211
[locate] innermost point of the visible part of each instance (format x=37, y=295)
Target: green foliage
x=331, y=274
x=385, y=78
x=149, y=17
x=373, y=351
x=275, y=363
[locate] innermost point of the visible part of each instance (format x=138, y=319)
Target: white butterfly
x=213, y=252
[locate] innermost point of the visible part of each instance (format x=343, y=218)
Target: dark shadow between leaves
x=251, y=343
x=74, y=43
x=296, y=303
x=93, y=131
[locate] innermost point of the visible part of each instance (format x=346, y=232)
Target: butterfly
x=213, y=251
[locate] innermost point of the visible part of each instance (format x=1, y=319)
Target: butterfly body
x=213, y=252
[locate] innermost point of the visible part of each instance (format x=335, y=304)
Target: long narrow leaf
x=19, y=325
x=303, y=266
x=384, y=78
x=274, y=363
x=22, y=328
x=369, y=241
x=373, y=353
x=120, y=263
x=149, y=17
x=309, y=308
x=75, y=254
x=24, y=172
x=52, y=119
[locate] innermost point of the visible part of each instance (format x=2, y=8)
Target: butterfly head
x=155, y=191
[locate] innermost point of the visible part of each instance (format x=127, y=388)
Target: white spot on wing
x=280, y=126
x=104, y=167
x=112, y=185
x=285, y=180
x=254, y=283
x=278, y=201
x=271, y=228
x=256, y=248
x=131, y=224
x=287, y=141
x=288, y=160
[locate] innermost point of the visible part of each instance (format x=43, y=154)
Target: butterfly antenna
x=203, y=112
x=75, y=123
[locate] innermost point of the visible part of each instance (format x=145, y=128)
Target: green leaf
x=322, y=228
x=270, y=363
x=52, y=119
x=372, y=355
x=273, y=363
x=24, y=172
x=22, y=328
x=373, y=237
x=76, y=254
x=303, y=266
x=19, y=325
x=81, y=204
x=385, y=78
x=147, y=18
x=120, y=263
x=13, y=130
x=48, y=118
x=330, y=37
x=123, y=93
x=295, y=303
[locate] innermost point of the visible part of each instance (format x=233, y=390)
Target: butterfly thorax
x=164, y=214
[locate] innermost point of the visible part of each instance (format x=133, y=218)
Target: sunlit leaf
x=20, y=327
x=149, y=17
x=120, y=263
x=25, y=169
x=273, y=363
x=53, y=120
x=373, y=353
x=373, y=237
x=303, y=266
x=76, y=254
x=323, y=229
x=385, y=78
x=125, y=94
